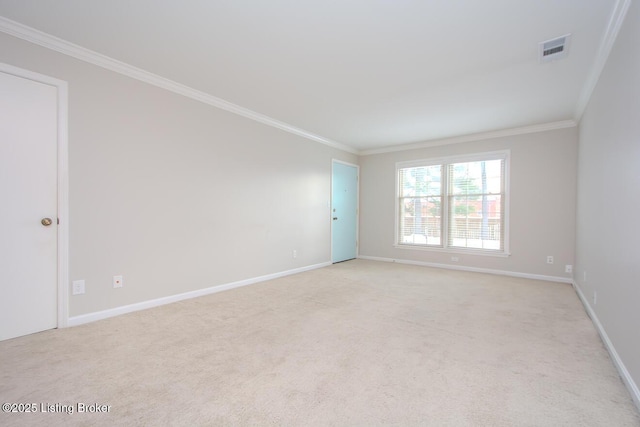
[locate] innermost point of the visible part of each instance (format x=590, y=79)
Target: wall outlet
x=77, y=287
x=549, y=259
x=584, y=276
x=117, y=281
x=595, y=297
x=568, y=268
x=295, y=253
x=455, y=259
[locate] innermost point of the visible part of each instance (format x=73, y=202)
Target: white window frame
x=445, y=162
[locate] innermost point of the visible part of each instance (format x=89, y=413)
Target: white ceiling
x=363, y=73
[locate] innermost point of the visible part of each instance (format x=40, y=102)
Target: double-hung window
x=454, y=203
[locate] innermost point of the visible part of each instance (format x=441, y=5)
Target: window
x=454, y=203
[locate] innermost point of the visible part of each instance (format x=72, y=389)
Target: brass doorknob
x=46, y=222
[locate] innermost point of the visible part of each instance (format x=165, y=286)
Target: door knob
x=335, y=217
x=46, y=222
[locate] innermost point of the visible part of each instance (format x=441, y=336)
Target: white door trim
x=62, y=187
x=333, y=161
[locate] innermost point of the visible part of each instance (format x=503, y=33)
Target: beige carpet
x=360, y=343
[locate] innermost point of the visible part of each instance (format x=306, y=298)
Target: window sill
x=481, y=252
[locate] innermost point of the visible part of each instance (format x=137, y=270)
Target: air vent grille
x=553, y=49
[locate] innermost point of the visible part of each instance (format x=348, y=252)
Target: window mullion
x=444, y=213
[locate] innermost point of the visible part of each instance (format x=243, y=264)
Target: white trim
x=67, y=48
x=622, y=369
x=505, y=155
x=472, y=269
x=105, y=314
x=344, y=163
x=606, y=45
x=473, y=137
x=62, y=184
x=333, y=161
x=63, y=205
x=471, y=157
x=452, y=250
x=507, y=205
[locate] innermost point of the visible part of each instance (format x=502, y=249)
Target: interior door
x=28, y=215
x=344, y=212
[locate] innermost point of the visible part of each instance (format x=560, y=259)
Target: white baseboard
x=622, y=369
x=473, y=269
x=105, y=314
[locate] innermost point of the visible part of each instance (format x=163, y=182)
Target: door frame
x=333, y=162
x=62, y=185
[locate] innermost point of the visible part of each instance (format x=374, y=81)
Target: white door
x=28, y=197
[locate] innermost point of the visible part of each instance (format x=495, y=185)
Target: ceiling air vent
x=554, y=49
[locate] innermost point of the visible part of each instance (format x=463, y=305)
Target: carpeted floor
x=360, y=343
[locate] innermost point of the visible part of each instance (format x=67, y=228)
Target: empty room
x=320, y=213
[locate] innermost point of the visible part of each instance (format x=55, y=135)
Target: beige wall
x=176, y=195
x=609, y=197
x=542, y=203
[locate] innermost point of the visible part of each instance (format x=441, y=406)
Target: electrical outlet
x=595, y=297
x=455, y=259
x=584, y=276
x=550, y=259
x=568, y=268
x=117, y=282
x=295, y=253
x=77, y=287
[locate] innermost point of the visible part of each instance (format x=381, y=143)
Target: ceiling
x=368, y=74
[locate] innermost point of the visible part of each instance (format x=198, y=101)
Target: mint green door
x=344, y=212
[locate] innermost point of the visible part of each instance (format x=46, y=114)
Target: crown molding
x=606, y=45
x=48, y=41
x=474, y=137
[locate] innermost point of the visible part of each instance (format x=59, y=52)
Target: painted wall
x=176, y=195
x=608, y=259
x=542, y=203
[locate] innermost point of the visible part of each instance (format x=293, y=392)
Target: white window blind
x=454, y=203
x=421, y=205
x=475, y=193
